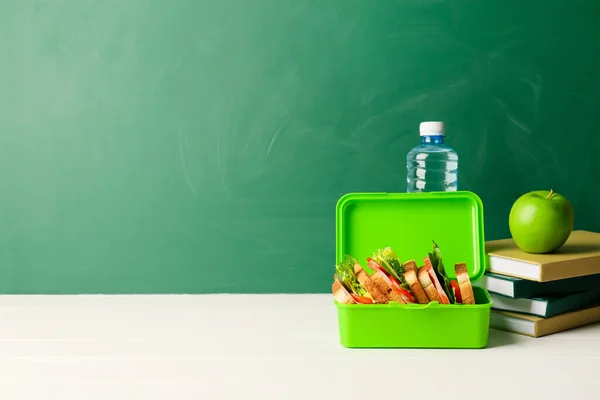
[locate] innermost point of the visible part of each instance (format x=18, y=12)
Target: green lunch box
x=408, y=223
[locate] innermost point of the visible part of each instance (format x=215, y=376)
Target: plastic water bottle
x=432, y=166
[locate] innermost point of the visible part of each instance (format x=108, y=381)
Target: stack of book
x=541, y=294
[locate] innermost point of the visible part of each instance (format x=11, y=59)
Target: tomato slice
x=361, y=299
x=457, y=294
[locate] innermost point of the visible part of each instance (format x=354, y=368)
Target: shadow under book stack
x=541, y=294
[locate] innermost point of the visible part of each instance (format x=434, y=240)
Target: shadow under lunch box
x=408, y=223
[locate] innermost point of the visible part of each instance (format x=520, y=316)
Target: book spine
x=520, y=290
x=526, y=289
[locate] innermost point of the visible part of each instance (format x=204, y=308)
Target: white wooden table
x=261, y=346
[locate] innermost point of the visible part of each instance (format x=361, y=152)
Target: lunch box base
x=430, y=325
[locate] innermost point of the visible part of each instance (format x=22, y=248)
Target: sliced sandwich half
x=410, y=273
x=436, y=283
x=463, y=290
x=427, y=285
x=351, y=281
x=368, y=283
x=346, y=288
x=389, y=285
x=340, y=293
x=437, y=266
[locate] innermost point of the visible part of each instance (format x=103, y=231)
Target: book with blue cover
x=546, y=306
x=523, y=288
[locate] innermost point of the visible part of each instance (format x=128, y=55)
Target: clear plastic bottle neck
x=432, y=139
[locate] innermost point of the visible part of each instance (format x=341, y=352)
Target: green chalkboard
x=196, y=146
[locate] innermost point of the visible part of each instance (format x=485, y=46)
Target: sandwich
x=340, y=293
x=410, y=274
x=426, y=282
x=389, y=284
x=352, y=284
x=434, y=264
x=379, y=291
x=462, y=288
x=459, y=291
x=386, y=261
x=392, y=281
x=431, y=284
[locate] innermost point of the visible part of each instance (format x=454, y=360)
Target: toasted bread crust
x=410, y=265
x=368, y=284
x=427, y=285
x=340, y=294
x=410, y=273
x=379, y=280
x=464, y=283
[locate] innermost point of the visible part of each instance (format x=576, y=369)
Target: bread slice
x=365, y=280
x=410, y=274
x=340, y=294
x=464, y=283
x=427, y=284
x=381, y=281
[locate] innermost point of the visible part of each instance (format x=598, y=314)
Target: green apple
x=541, y=221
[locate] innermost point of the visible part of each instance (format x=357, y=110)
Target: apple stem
x=550, y=194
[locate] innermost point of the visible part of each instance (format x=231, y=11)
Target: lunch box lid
x=409, y=223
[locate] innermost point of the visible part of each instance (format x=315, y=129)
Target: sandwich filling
x=456, y=292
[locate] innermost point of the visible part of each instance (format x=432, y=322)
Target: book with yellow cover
x=579, y=256
x=536, y=326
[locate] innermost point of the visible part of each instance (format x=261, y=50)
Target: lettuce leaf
x=388, y=259
x=346, y=275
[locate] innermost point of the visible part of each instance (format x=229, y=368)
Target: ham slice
x=432, y=275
